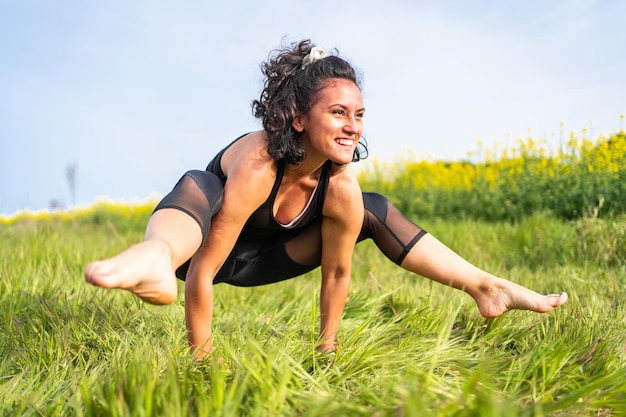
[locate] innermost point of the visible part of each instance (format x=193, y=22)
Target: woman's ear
x=298, y=122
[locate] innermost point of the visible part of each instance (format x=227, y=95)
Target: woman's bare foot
x=144, y=269
x=503, y=295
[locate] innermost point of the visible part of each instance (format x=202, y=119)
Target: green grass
x=408, y=347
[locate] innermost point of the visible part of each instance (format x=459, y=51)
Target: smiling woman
x=280, y=202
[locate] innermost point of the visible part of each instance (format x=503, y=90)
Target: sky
x=134, y=93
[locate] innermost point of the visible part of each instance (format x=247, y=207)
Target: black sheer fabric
x=199, y=194
x=392, y=232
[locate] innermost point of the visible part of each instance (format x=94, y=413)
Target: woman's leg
x=494, y=296
x=174, y=233
x=409, y=246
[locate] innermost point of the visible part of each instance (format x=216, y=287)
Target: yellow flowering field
x=578, y=178
x=131, y=215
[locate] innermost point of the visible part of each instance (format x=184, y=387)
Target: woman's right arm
x=249, y=182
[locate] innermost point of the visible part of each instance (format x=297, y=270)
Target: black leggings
x=290, y=253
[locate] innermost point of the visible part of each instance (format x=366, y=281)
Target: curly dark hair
x=289, y=89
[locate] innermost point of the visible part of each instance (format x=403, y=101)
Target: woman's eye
x=339, y=111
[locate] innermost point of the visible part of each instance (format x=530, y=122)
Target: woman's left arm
x=343, y=219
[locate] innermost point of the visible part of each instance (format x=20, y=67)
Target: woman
x=279, y=202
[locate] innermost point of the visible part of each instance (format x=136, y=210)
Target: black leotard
x=260, y=254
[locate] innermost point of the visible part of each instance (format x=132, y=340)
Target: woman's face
x=333, y=126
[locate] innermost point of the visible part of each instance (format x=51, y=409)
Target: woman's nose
x=352, y=125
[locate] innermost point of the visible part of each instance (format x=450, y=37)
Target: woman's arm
x=343, y=218
x=250, y=177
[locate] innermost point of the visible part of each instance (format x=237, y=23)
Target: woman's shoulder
x=343, y=175
x=248, y=154
x=344, y=199
x=343, y=184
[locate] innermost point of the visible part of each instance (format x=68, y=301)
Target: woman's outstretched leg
x=409, y=246
x=494, y=296
x=176, y=230
x=147, y=268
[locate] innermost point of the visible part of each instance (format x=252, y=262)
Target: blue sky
x=137, y=92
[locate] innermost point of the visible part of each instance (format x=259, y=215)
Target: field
x=576, y=177
x=408, y=347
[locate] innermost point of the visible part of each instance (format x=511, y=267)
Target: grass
x=408, y=347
